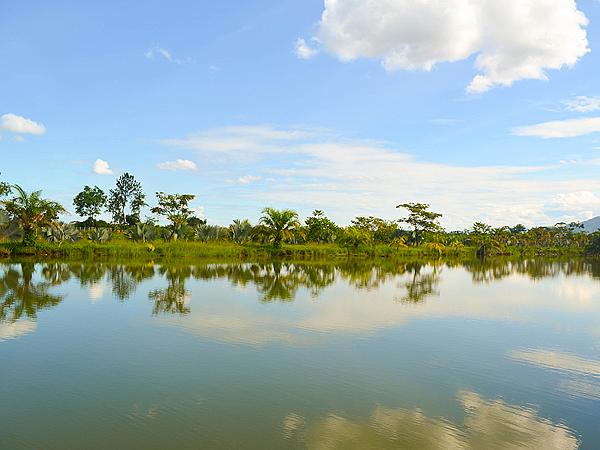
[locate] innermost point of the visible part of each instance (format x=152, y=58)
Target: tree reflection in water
x=21, y=296
x=421, y=284
x=275, y=281
x=174, y=298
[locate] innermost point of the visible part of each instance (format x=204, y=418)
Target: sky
x=488, y=111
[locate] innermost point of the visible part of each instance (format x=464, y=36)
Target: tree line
x=28, y=216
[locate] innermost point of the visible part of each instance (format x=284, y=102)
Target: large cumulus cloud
x=512, y=39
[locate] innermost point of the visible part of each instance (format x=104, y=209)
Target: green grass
x=123, y=248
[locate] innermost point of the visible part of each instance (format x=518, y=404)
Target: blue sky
x=347, y=106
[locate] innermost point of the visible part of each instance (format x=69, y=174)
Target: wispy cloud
x=20, y=125
x=561, y=128
x=102, y=167
x=247, y=179
x=260, y=139
x=179, y=164
x=158, y=52
x=316, y=169
x=303, y=50
x=582, y=104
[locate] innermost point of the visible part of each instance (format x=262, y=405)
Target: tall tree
x=31, y=212
x=279, y=224
x=89, y=203
x=420, y=219
x=320, y=228
x=127, y=193
x=175, y=208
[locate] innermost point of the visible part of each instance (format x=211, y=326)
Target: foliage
x=205, y=232
x=320, y=229
x=194, y=221
x=399, y=242
x=355, y=237
x=421, y=220
x=89, y=202
x=59, y=233
x=9, y=229
x=22, y=296
x=382, y=231
x=281, y=225
x=5, y=189
x=593, y=248
x=141, y=232
x=435, y=247
x=127, y=193
x=31, y=212
x=239, y=231
x=100, y=235
x=174, y=207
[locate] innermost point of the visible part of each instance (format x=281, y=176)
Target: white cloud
x=582, y=104
x=158, y=52
x=101, y=167
x=199, y=211
x=349, y=178
x=580, y=201
x=259, y=139
x=303, y=50
x=561, y=128
x=180, y=164
x=20, y=125
x=513, y=39
x=247, y=179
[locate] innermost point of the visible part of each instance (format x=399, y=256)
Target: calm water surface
x=348, y=356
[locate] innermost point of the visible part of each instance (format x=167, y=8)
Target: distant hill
x=589, y=226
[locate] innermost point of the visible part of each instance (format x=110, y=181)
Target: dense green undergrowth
x=185, y=249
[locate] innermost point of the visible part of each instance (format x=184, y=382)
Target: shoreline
x=226, y=250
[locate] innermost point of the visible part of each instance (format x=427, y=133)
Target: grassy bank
x=193, y=250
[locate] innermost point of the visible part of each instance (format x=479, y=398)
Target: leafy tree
x=174, y=207
x=593, y=247
x=518, y=229
x=89, y=203
x=5, y=188
x=355, y=237
x=195, y=221
x=382, y=230
x=127, y=193
x=280, y=224
x=31, y=212
x=421, y=220
x=319, y=228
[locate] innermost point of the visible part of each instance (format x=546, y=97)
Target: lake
x=352, y=355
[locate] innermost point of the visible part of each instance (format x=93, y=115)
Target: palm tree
x=280, y=224
x=239, y=230
x=31, y=212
